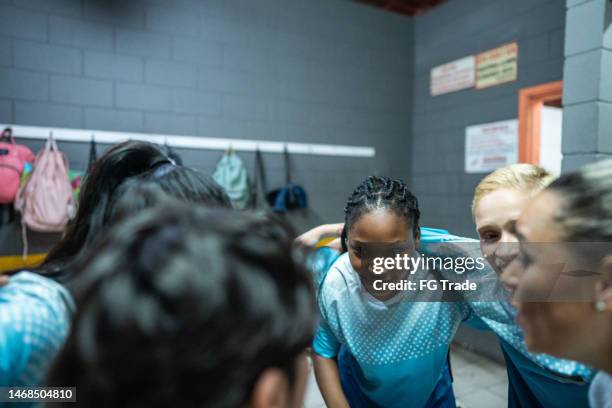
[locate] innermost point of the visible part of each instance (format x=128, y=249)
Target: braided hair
x=376, y=193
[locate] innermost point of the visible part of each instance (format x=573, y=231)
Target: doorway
x=540, y=124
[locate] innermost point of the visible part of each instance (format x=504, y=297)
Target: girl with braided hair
x=377, y=347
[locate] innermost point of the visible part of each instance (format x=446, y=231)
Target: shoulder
x=34, y=322
x=341, y=276
x=513, y=344
x=340, y=282
x=600, y=392
x=27, y=285
x=320, y=261
x=29, y=297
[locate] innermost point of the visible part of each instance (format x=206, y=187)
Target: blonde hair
x=526, y=178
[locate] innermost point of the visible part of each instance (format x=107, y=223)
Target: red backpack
x=12, y=160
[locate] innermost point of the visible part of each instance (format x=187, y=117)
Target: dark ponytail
x=121, y=162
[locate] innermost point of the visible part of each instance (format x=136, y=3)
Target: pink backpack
x=12, y=160
x=45, y=200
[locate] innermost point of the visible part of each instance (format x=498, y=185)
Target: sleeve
x=34, y=321
x=320, y=261
x=325, y=342
x=494, y=313
x=10, y=348
x=436, y=235
x=15, y=315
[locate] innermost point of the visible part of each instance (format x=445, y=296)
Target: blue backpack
x=289, y=197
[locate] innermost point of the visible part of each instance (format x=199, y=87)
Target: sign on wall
x=453, y=76
x=492, y=145
x=497, y=66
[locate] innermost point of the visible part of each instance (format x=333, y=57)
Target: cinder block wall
x=455, y=30
x=587, y=94
x=320, y=71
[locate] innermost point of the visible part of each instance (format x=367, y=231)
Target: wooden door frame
x=531, y=100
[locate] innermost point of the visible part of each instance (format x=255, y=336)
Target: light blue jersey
x=34, y=322
x=400, y=346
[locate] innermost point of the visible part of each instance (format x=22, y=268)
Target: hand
x=3, y=280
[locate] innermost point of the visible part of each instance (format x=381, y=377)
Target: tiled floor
x=478, y=382
x=313, y=398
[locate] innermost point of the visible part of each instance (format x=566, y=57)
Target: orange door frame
x=531, y=100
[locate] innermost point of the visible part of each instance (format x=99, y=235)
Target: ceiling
x=407, y=7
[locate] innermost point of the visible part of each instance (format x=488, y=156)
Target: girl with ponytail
x=125, y=170
x=119, y=163
x=567, y=311
x=37, y=310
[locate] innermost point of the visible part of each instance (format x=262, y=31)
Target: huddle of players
x=174, y=299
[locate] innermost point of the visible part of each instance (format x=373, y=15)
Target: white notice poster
x=453, y=76
x=490, y=146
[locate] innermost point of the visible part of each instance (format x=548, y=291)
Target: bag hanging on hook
x=93, y=153
x=258, y=187
x=13, y=160
x=232, y=176
x=291, y=196
x=23, y=151
x=45, y=201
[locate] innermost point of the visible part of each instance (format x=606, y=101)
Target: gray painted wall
x=320, y=71
x=457, y=29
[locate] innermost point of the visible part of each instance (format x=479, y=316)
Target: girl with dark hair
x=182, y=183
x=113, y=175
x=564, y=294
x=380, y=347
x=35, y=313
x=119, y=163
x=187, y=307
